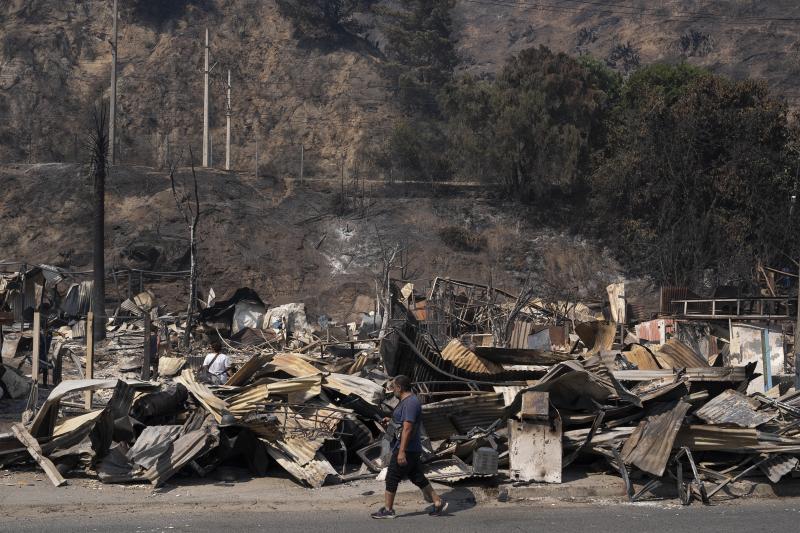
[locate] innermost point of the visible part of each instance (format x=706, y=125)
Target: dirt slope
x=288, y=242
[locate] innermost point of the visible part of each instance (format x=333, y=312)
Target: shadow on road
x=458, y=499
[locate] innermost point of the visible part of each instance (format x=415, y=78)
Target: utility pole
x=228, y=126
x=256, y=156
x=112, y=116
x=206, y=73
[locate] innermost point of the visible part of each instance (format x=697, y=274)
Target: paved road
x=746, y=516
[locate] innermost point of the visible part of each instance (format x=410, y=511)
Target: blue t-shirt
x=409, y=410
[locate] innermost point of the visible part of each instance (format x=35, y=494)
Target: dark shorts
x=412, y=471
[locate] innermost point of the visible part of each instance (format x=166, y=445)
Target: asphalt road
x=747, y=516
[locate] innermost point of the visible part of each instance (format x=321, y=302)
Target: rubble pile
x=511, y=387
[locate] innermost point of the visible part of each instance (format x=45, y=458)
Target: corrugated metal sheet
x=17, y=300
x=313, y=473
x=78, y=300
x=52, y=275
x=131, y=307
x=642, y=358
x=650, y=444
x=346, y=384
x=509, y=393
x=717, y=438
x=734, y=408
x=465, y=359
x=675, y=354
x=520, y=333
x=596, y=336
x=292, y=364
x=459, y=415
x=79, y=329
x=651, y=331
x=778, y=466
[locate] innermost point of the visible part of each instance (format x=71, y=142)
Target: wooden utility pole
x=206, y=73
x=112, y=122
x=89, y=356
x=228, y=126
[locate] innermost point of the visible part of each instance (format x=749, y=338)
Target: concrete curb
x=284, y=494
x=787, y=488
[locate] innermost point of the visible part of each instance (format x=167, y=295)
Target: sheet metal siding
x=733, y=408
x=459, y=415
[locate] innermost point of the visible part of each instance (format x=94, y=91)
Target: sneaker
x=438, y=511
x=383, y=513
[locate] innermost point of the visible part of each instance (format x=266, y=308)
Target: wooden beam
x=35, y=451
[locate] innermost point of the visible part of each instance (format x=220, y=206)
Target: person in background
x=217, y=363
x=407, y=451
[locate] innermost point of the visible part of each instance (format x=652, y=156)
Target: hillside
x=329, y=97
x=332, y=98
x=289, y=243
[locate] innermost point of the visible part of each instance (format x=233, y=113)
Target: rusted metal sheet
x=649, y=446
x=535, y=406
x=465, y=359
x=655, y=330
x=642, y=357
x=675, y=354
x=597, y=336
x=734, y=408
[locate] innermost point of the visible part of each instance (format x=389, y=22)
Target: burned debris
x=696, y=394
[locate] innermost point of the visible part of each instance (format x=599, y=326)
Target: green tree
x=420, y=50
x=693, y=178
x=534, y=128
x=420, y=60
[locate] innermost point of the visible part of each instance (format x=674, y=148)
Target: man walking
x=407, y=451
